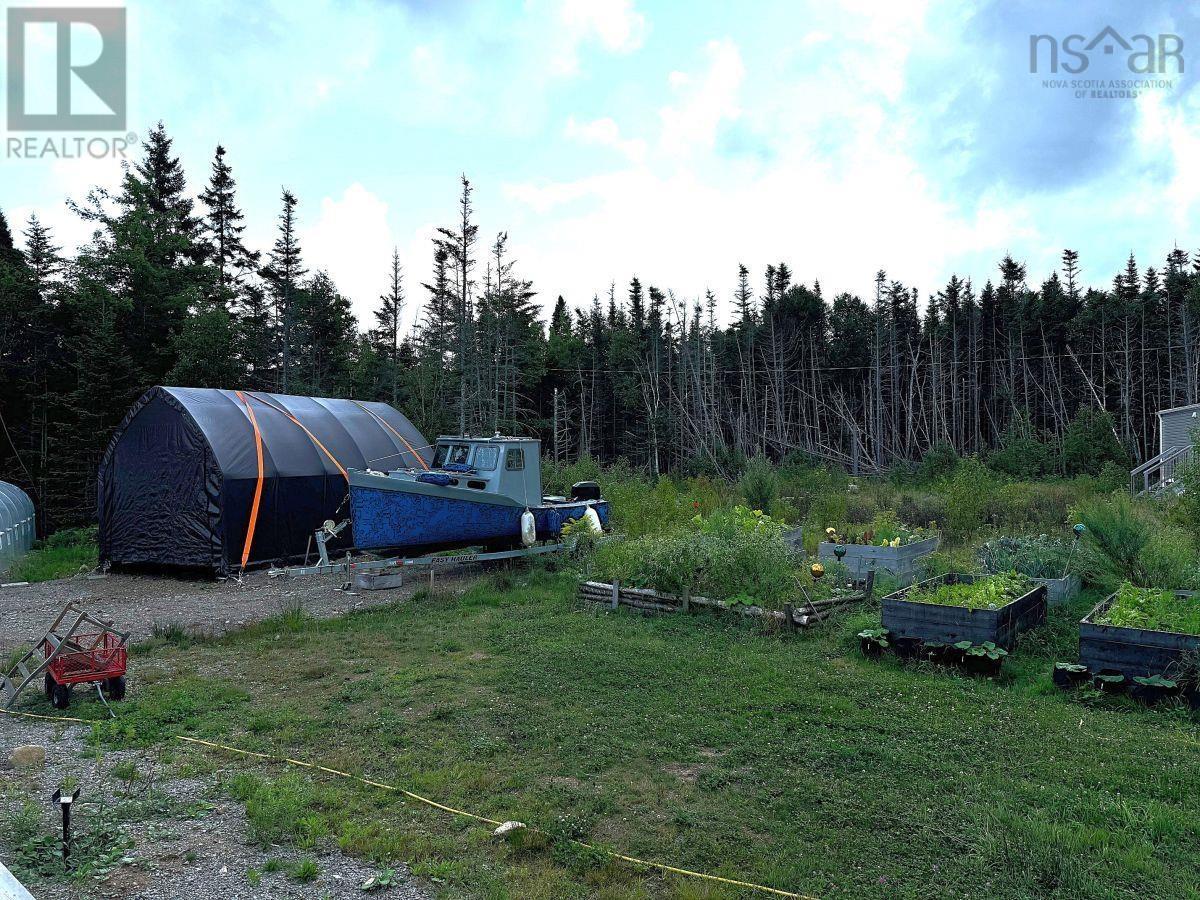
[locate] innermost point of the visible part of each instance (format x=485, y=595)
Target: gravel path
x=193, y=844
x=188, y=840
x=136, y=603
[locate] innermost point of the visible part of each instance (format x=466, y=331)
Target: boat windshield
x=450, y=453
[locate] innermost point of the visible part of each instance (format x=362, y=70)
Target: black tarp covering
x=177, y=481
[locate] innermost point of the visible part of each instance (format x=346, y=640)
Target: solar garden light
x=65, y=801
x=1079, y=531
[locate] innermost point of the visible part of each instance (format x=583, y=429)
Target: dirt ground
x=192, y=842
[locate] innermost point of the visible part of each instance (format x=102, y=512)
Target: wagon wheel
x=115, y=687
x=60, y=697
x=50, y=683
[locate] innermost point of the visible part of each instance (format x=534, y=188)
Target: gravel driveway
x=136, y=603
x=185, y=839
x=189, y=857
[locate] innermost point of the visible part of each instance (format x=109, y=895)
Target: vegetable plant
x=1155, y=681
x=991, y=592
x=987, y=650
x=1152, y=610
x=1036, y=557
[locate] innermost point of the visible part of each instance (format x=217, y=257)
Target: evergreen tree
x=283, y=275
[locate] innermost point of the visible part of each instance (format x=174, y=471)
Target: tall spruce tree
x=283, y=274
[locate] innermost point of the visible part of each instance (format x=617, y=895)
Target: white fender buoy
x=528, y=529
x=591, y=521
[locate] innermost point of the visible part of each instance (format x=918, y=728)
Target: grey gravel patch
x=192, y=846
x=136, y=603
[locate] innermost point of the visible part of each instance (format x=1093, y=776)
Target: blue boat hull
x=395, y=518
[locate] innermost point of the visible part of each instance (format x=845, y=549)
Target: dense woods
x=1040, y=377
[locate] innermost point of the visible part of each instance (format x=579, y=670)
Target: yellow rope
x=749, y=885
x=459, y=812
x=13, y=712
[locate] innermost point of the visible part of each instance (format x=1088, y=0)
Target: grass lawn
x=66, y=553
x=792, y=762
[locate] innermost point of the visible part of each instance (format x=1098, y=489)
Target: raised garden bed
x=1060, y=590
x=863, y=558
x=1135, y=652
x=920, y=621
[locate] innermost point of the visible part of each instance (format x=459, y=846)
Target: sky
x=667, y=140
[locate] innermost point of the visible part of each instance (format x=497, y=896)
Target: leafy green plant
x=1152, y=610
x=1073, y=668
x=380, y=881
x=1155, y=681
x=989, y=592
x=878, y=636
x=1036, y=557
x=885, y=530
x=985, y=650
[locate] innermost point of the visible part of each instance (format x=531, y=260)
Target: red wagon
x=98, y=658
x=87, y=650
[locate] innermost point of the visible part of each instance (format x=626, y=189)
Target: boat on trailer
x=478, y=491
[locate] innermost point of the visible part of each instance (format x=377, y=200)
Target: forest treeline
x=1049, y=378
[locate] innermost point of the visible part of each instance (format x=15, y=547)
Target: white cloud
x=351, y=239
x=615, y=24
x=703, y=103
x=605, y=133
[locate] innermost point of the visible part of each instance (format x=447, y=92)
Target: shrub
x=860, y=509
x=759, y=484
x=828, y=509
x=1022, y=504
x=1089, y=444
x=1021, y=454
x=940, y=462
x=1169, y=559
x=748, y=558
x=921, y=510
x=969, y=497
x=732, y=553
x=557, y=477
x=1117, y=533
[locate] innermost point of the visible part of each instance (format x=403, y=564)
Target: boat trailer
x=377, y=574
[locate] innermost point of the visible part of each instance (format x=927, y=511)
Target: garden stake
x=64, y=803
x=1078, y=531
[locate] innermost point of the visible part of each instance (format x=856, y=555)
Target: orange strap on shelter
x=382, y=421
x=312, y=437
x=258, y=487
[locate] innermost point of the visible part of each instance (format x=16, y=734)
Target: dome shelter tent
x=219, y=480
x=17, y=525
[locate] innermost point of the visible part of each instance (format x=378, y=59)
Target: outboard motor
x=585, y=490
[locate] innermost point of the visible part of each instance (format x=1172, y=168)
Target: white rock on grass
x=504, y=829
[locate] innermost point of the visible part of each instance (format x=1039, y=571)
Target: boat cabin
x=509, y=466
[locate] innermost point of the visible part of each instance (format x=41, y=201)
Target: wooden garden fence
x=802, y=614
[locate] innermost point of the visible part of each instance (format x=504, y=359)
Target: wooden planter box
x=1132, y=651
x=898, y=561
x=1060, y=590
x=950, y=624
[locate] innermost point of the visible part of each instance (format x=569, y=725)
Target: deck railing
x=1158, y=471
